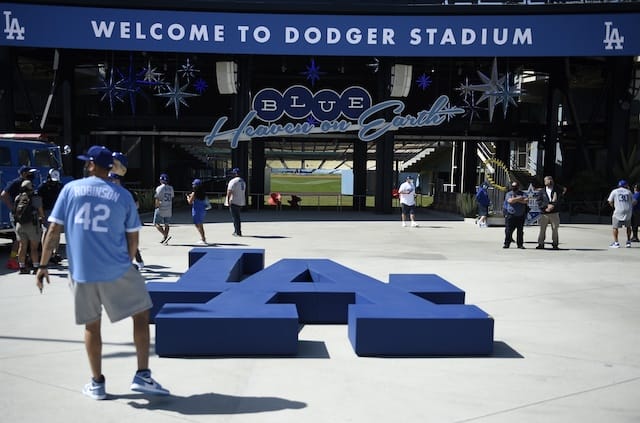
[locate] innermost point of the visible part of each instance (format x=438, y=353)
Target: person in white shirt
x=621, y=199
x=236, y=199
x=407, y=193
x=164, y=208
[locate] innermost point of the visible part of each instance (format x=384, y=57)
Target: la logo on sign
x=12, y=27
x=612, y=36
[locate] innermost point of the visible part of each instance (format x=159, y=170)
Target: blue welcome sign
x=588, y=34
x=228, y=304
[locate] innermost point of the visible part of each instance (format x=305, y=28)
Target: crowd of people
x=30, y=208
x=101, y=222
x=624, y=202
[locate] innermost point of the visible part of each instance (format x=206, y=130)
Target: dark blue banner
x=321, y=35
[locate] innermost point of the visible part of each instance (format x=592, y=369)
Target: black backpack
x=23, y=211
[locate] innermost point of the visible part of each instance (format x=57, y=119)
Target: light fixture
x=227, y=77
x=400, y=80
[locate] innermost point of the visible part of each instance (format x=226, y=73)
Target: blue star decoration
x=312, y=121
x=471, y=108
x=313, y=72
x=200, y=86
x=424, y=81
x=111, y=89
x=176, y=95
x=188, y=71
x=130, y=84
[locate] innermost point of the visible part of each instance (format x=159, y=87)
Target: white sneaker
x=95, y=390
x=414, y=225
x=143, y=382
x=201, y=242
x=140, y=265
x=404, y=225
x=614, y=245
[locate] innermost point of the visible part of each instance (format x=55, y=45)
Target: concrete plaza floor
x=567, y=338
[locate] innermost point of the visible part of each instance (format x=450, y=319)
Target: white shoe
x=404, y=225
x=414, y=225
x=140, y=265
x=201, y=242
x=614, y=245
x=143, y=382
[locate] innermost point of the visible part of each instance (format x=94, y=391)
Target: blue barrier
x=236, y=307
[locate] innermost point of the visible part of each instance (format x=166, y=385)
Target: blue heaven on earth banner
x=322, y=35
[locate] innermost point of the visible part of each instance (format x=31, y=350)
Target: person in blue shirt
x=197, y=200
x=482, y=199
x=635, y=217
x=101, y=226
x=515, y=203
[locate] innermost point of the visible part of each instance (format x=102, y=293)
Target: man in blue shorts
x=101, y=226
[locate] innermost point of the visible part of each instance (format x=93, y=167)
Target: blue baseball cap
x=26, y=169
x=164, y=177
x=121, y=158
x=196, y=183
x=622, y=183
x=100, y=155
x=120, y=162
x=235, y=170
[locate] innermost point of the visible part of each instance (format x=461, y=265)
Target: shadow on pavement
x=211, y=403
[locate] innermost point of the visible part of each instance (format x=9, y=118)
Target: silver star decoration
x=465, y=89
x=161, y=86
x=507, y=94
x=176, y=95
x=188, y=71
x=150, y=76
x=111, y=89
x=490, y=88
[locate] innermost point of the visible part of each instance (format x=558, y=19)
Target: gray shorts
x=160, y=220
x=121, y=298
x=28, y=232
x=620, y=223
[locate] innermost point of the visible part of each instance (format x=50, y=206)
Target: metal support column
x=359, y=175
x=7, y=115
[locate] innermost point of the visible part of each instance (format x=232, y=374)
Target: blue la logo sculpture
x=228, y=304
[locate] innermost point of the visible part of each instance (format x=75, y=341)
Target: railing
x=571, y=211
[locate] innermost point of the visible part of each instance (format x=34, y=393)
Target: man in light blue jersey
x=101, y=226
